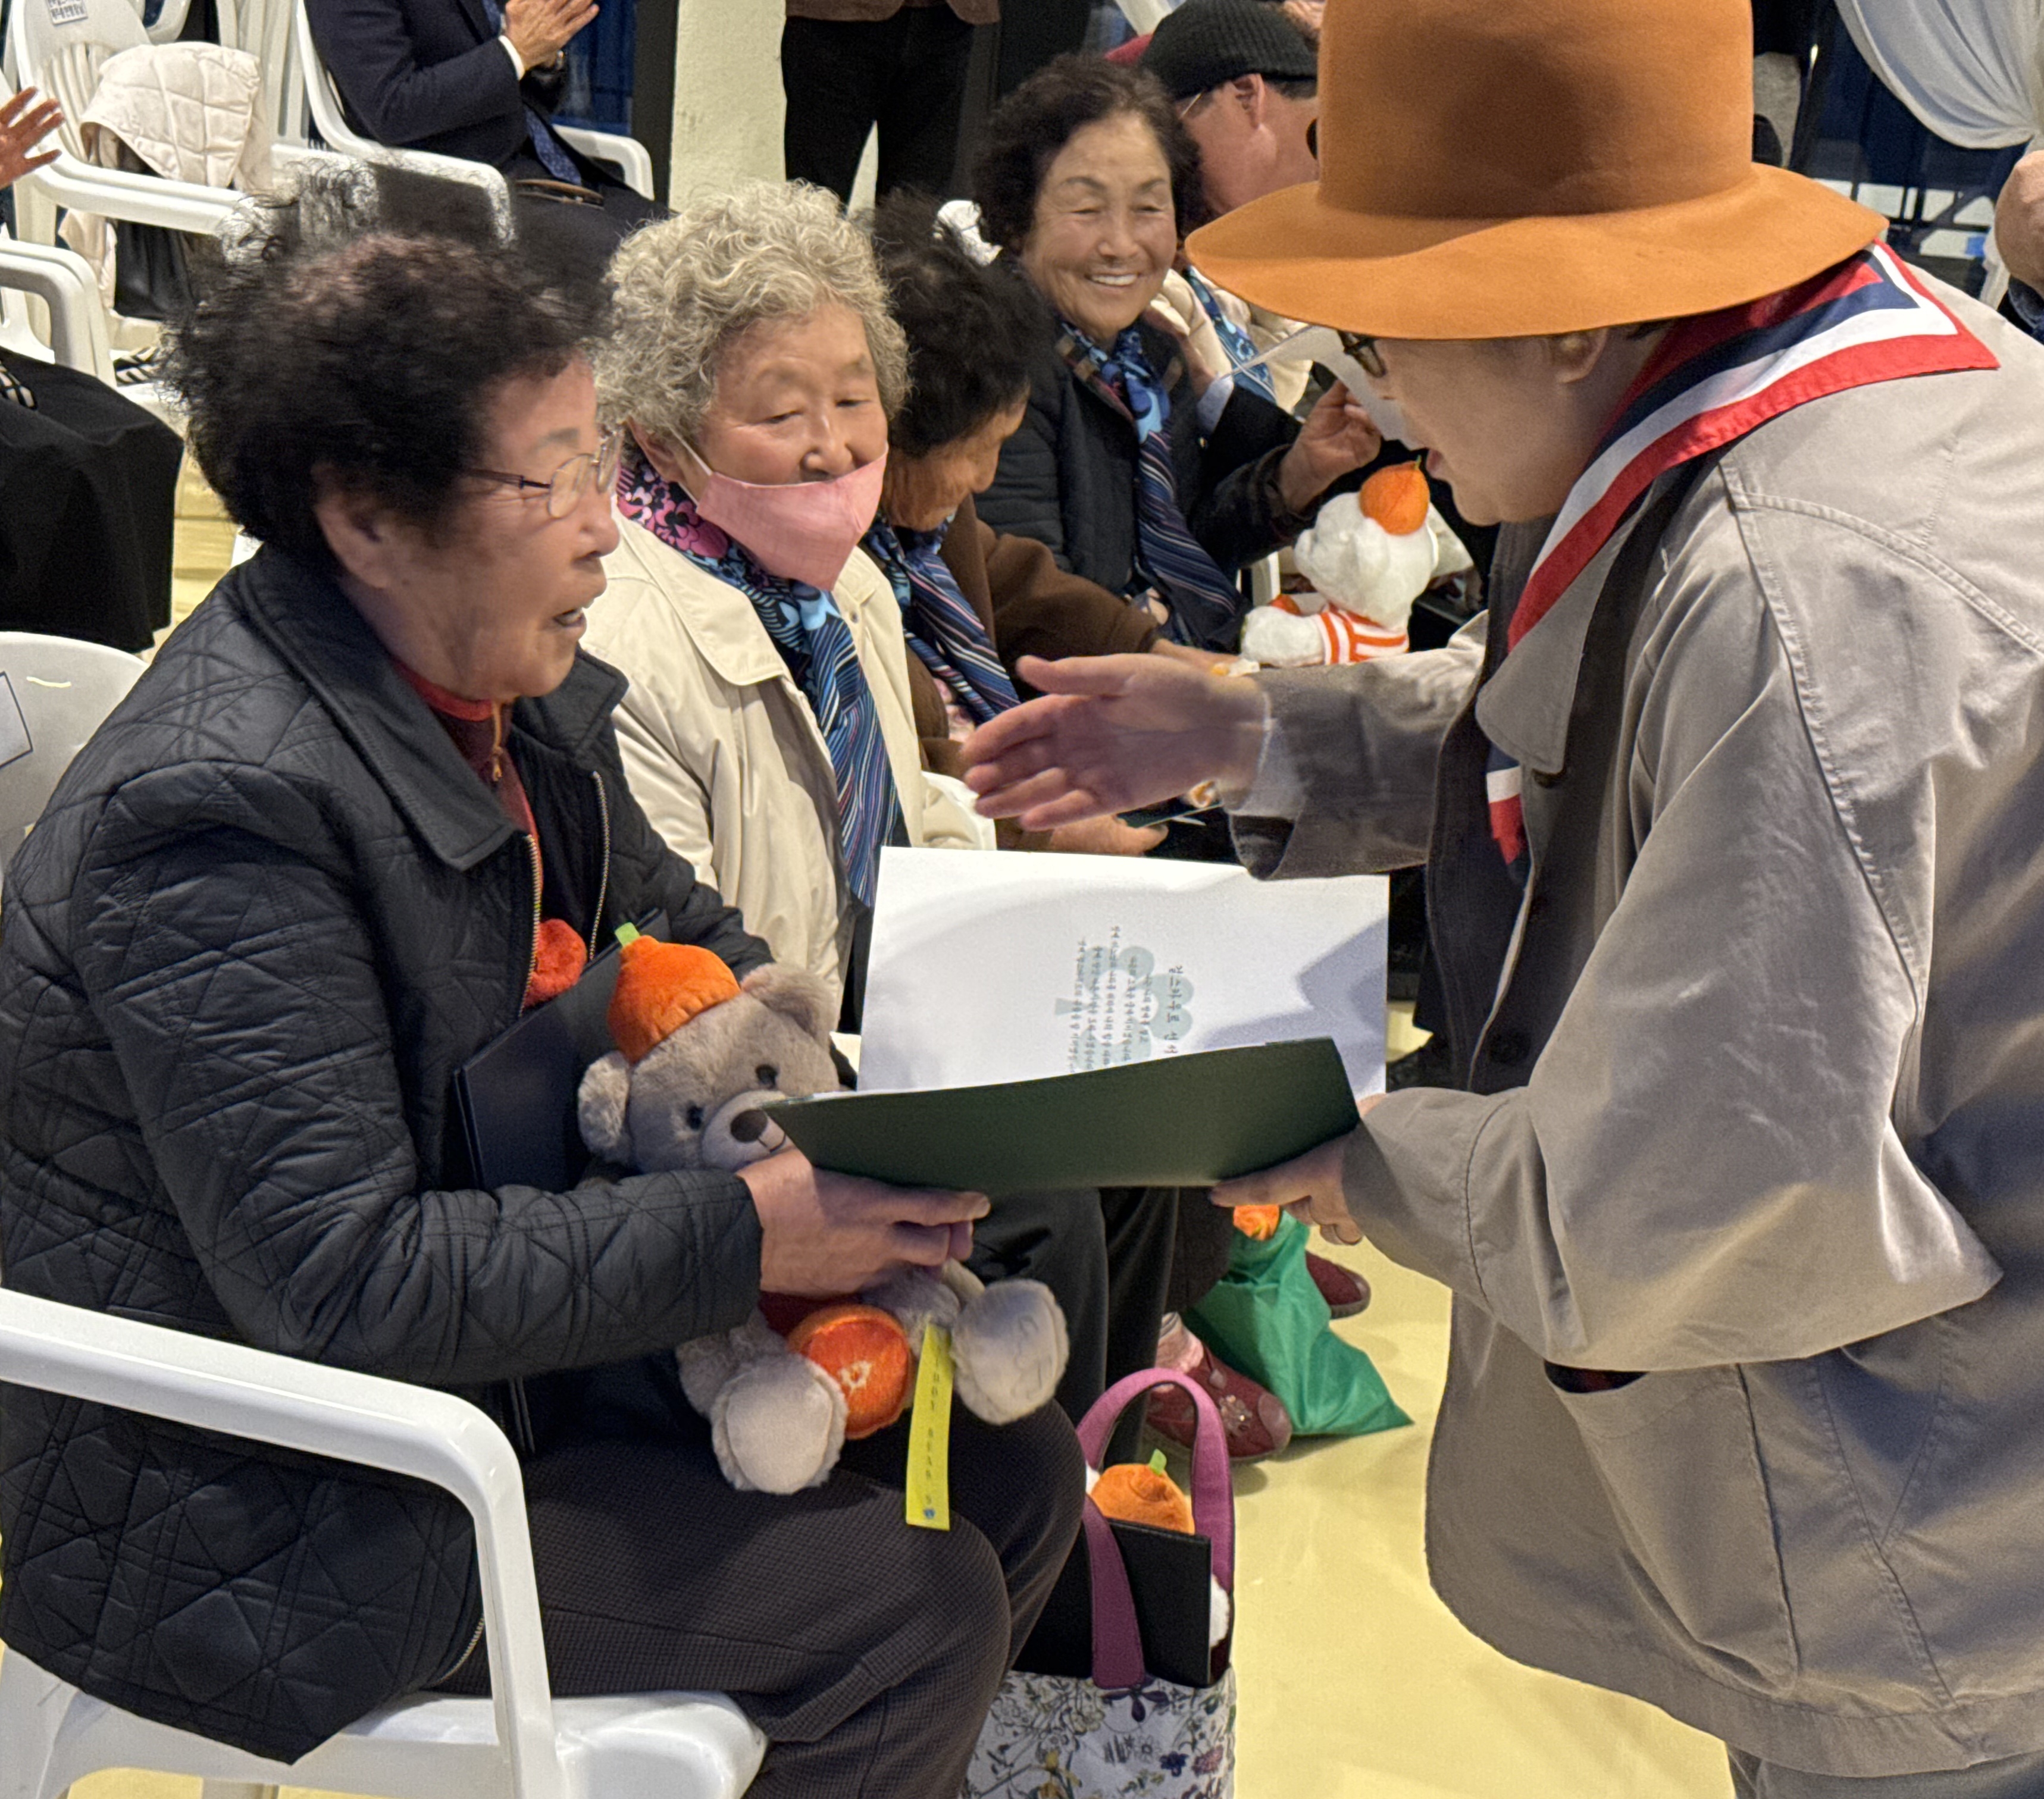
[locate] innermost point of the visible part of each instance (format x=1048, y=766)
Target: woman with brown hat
x=1729, y=805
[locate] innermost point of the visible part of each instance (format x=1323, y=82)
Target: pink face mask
x=803, y=531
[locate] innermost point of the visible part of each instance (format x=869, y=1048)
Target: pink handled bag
x=1156, y=1717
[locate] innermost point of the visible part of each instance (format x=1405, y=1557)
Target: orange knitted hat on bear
x=661, y=986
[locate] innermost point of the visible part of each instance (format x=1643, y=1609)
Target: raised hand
x=539, y=30
x=25, y=120
x=824, y=1233
x=1336, y=437
x=1111, y=734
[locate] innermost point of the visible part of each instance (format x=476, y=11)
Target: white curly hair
x=689, y=287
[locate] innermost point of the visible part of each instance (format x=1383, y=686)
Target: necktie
x=1206, y=606
x=553, y=154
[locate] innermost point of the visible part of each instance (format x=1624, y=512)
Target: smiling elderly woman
x=770, y=731
x=1085, y=185
x=297, y=880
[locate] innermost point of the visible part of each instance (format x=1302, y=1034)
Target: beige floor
x=1356, y=1683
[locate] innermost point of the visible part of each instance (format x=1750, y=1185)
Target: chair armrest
x=628, y=155
x=64, y=281
x=347, y=1417
x=141, y=199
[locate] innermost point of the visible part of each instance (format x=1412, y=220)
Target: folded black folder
x=1175, y=1121
x=518, y=1094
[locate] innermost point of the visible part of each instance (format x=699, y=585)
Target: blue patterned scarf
x=942, y=628
x=1206, y=607
x=815, y=643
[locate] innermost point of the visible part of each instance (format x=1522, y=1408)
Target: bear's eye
x=767, y=1074
x=695, y=1118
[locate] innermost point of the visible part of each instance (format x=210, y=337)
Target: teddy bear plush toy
x=1369, y=556
x=700, y=1055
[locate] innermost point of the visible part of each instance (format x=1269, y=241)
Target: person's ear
x=668, y=464
x=1253, y=96
x=1574, y=356
x=365, y=537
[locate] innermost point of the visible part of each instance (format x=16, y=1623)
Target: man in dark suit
x=478, y=79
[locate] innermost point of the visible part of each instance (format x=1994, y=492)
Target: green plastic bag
x=1267, y=1319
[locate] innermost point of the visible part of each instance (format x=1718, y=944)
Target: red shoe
x=1254, y=1417
x=1345, y=1293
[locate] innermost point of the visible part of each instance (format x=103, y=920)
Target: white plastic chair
x=627, y=155
x=63, y=689
x=48, y=52
x=522, y=1744
x=62, y=280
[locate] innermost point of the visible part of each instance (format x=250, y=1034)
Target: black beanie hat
x=1207, y=42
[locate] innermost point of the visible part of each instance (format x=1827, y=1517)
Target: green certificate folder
x=1174, y=1121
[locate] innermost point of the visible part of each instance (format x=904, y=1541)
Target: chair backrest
x=264, y=28
x=321, y=95
x=55, y=692
x=39, y=29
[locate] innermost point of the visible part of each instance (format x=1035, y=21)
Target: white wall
x=727, y=107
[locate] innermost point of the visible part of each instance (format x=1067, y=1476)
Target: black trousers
x=867, y=1652
x=906, y=75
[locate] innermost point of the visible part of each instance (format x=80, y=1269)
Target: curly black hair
x=1033, y=123
x=972, y=330
x=371, y=361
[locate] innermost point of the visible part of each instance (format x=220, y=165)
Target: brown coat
x=872, y=12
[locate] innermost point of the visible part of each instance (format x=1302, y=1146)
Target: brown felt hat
x=1508, y=168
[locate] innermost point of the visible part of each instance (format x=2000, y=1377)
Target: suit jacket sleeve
x=227, y=955
x=374, y=62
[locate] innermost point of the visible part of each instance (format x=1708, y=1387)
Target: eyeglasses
x=1369, y=357
x=568, y=483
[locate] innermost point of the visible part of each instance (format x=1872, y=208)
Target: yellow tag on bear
x=930, y=1434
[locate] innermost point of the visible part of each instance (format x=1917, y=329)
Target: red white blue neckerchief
x=1714, y=378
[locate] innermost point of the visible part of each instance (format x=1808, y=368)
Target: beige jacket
x=723, y=752
x=1756, y=1073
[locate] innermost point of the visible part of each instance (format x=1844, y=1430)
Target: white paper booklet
x=1007, y=967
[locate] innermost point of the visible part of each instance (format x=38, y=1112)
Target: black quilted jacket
x=268, y=913
x=1068, y=476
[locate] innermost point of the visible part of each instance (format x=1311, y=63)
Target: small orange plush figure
x=1369, y=555
x=1258, y=1223
x=1141, y=1493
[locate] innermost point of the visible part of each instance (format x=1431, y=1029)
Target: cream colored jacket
x=723, y=752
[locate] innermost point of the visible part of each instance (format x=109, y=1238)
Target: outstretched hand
x=25, y=120
x=1309, y=1186
x=1112, y=733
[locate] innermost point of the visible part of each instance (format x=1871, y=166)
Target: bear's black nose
x=749, y=1127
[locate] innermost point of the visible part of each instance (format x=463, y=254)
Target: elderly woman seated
x=770, y=729
x=299, y=878
x=975, y=601
x=1084, y=184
